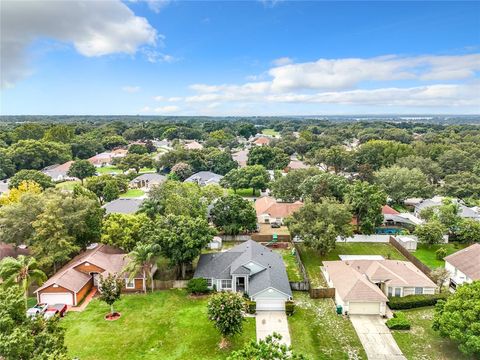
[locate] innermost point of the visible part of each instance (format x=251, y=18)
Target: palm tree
x=22, y=271
x=142, y=259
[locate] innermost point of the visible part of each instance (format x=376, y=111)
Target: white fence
x=365, y=238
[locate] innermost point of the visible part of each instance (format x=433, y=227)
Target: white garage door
x=271, y=305
x=366, y=308
x=56, y=298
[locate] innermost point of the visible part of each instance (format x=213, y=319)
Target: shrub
x=441, y=253
x=251, y=307
x=415, y=301
x=398, y=322
x=289, y=307
x=198, y=286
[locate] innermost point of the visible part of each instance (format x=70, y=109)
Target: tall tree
x=233, y=214
x=335, y=157
x=106, y=187
x=430, y=233
x=134, y=161
x=30, y=175
x=22, y=271
x=271, y=158
x=15, y=194
x=82, y=169
x=288, y=187
x=378, y=153
x=319, y=225
x=7, y=168
x=323, y=185
x=183, y=245
x=125, y=230
x=33, y=154
x=254, y=177
x=142, y=260
x=366, y=202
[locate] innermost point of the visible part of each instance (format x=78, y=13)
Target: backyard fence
x=244, y=237
x=322, y=293
x=424, y=268
x=299, y=285
x=269, y=237
x=170, y=284
x=365, y=238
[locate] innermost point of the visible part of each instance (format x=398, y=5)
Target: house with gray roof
x=147, y=181
x=203, y=178
x=249, y=268
x=123, y=206
x=464, y=211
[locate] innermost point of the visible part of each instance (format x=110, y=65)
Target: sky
x=239, y=58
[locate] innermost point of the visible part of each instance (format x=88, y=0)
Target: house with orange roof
x=59, y=172
x=262, y=141
x=270, y=211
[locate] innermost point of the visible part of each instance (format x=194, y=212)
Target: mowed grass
x=132, y=193
x=426, y=254
x=162, y=325
x=270, y=132
x=422, y=342
x=68, y=185
x=312, y=260
x=291, y=265
x=319, y=333
x=244, y=192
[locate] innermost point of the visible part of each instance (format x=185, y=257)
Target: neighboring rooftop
x=205, y=178
x=269, y=205
x=467, y=261
x=123, y=206
x=10, y=250
x=151, y=177
x=193, y=145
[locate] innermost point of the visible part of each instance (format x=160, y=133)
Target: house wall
x=456, y=275
x=270, y=294
x=51, y=289
x=84, y=291
x=410, y=290
x=138, y=286
x=87, y=269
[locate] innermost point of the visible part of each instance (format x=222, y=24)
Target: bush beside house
x=415, y=301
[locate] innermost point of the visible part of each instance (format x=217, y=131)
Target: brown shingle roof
x=268, y=205
x=9, y=250
x=467, y=261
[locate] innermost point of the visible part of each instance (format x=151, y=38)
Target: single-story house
x=203, y=178
x=147, y=181
x=296, y=164
x=105, y=158
x=464, y=265
x=123, y=206
x=262, y=141
x=465, y=212
x=192, y=145
x=393, y=218
x=58, y=172
x=363, y=286
x=241, y=157
x=249, y=268
x=74, y=281
x=269, y=210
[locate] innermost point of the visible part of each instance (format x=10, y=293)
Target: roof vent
x=22, y=246
x=92, y=246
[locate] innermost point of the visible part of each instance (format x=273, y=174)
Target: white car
x=36, y=310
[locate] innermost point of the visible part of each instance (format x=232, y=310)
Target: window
x=226, y=284
x=418, y=291
x=130, y=284
x=398, y=292
x=209, y=282
x=390, y=291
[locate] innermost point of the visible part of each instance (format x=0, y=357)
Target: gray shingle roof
x=205, y=178
x=223, y=265
x=123, y=206
x=149, y=177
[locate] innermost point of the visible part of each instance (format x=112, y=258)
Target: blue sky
x=240, y=58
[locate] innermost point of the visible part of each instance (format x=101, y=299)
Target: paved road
x=376, y=338
x=268, y=322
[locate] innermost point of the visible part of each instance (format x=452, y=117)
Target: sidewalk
x=85, y=301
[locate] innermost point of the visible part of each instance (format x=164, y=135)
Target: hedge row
x=415, y=301
x=398, y=322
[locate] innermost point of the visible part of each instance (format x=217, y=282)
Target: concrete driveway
x=268, y=322
x=376, y=338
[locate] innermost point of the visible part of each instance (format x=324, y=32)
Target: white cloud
x=174, y=99
x=167, y=109
x=131, y=89
x=157, y=5
x=95, y=28
x=155, y=56
x=159, y=98
x=282, y=61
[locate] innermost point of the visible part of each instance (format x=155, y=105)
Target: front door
x=240, y=284
x=95, y=279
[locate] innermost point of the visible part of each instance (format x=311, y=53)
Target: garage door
x=366, y=308
x=56, y=298
x=271, y=305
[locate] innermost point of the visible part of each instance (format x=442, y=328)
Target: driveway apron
x=268, y=322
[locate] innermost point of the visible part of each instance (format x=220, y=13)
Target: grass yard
x=427, y=254
x=270, y=132
x=319, y=333
x=291, y=265
x=162, y=325
x=312, y=260
x=244, y=192
x=132, y=193
x=422, y=342
x=108, y=170
x=68, y=185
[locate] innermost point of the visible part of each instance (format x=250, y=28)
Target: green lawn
x=291, y=265
x=245, y=192
x=319, y=333
x=162, y=325
x=427, y=254
x=312, y=260
x=132, y=193
x=108, y=170
x=68, y=185
x=422, y=342
x=270, y=132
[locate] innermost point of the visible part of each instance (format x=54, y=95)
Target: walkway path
x=376, y=338
x=85, y=301
x=268, y=322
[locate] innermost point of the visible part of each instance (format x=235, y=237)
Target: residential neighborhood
x=239, y=180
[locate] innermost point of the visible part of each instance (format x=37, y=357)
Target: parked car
x=57, y=309
x=275, y=225
x=36, y=310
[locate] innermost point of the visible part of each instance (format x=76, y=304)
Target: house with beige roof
x=76, y=279
x=192, y=145
x=270, y=211
x=262, y=141
x=364, y=286
x=464, y=266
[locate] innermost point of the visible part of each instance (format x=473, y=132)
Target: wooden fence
x=170, y=284
x=424, y=268
x=268, y=237
x=322, y=293
x=299, y=285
